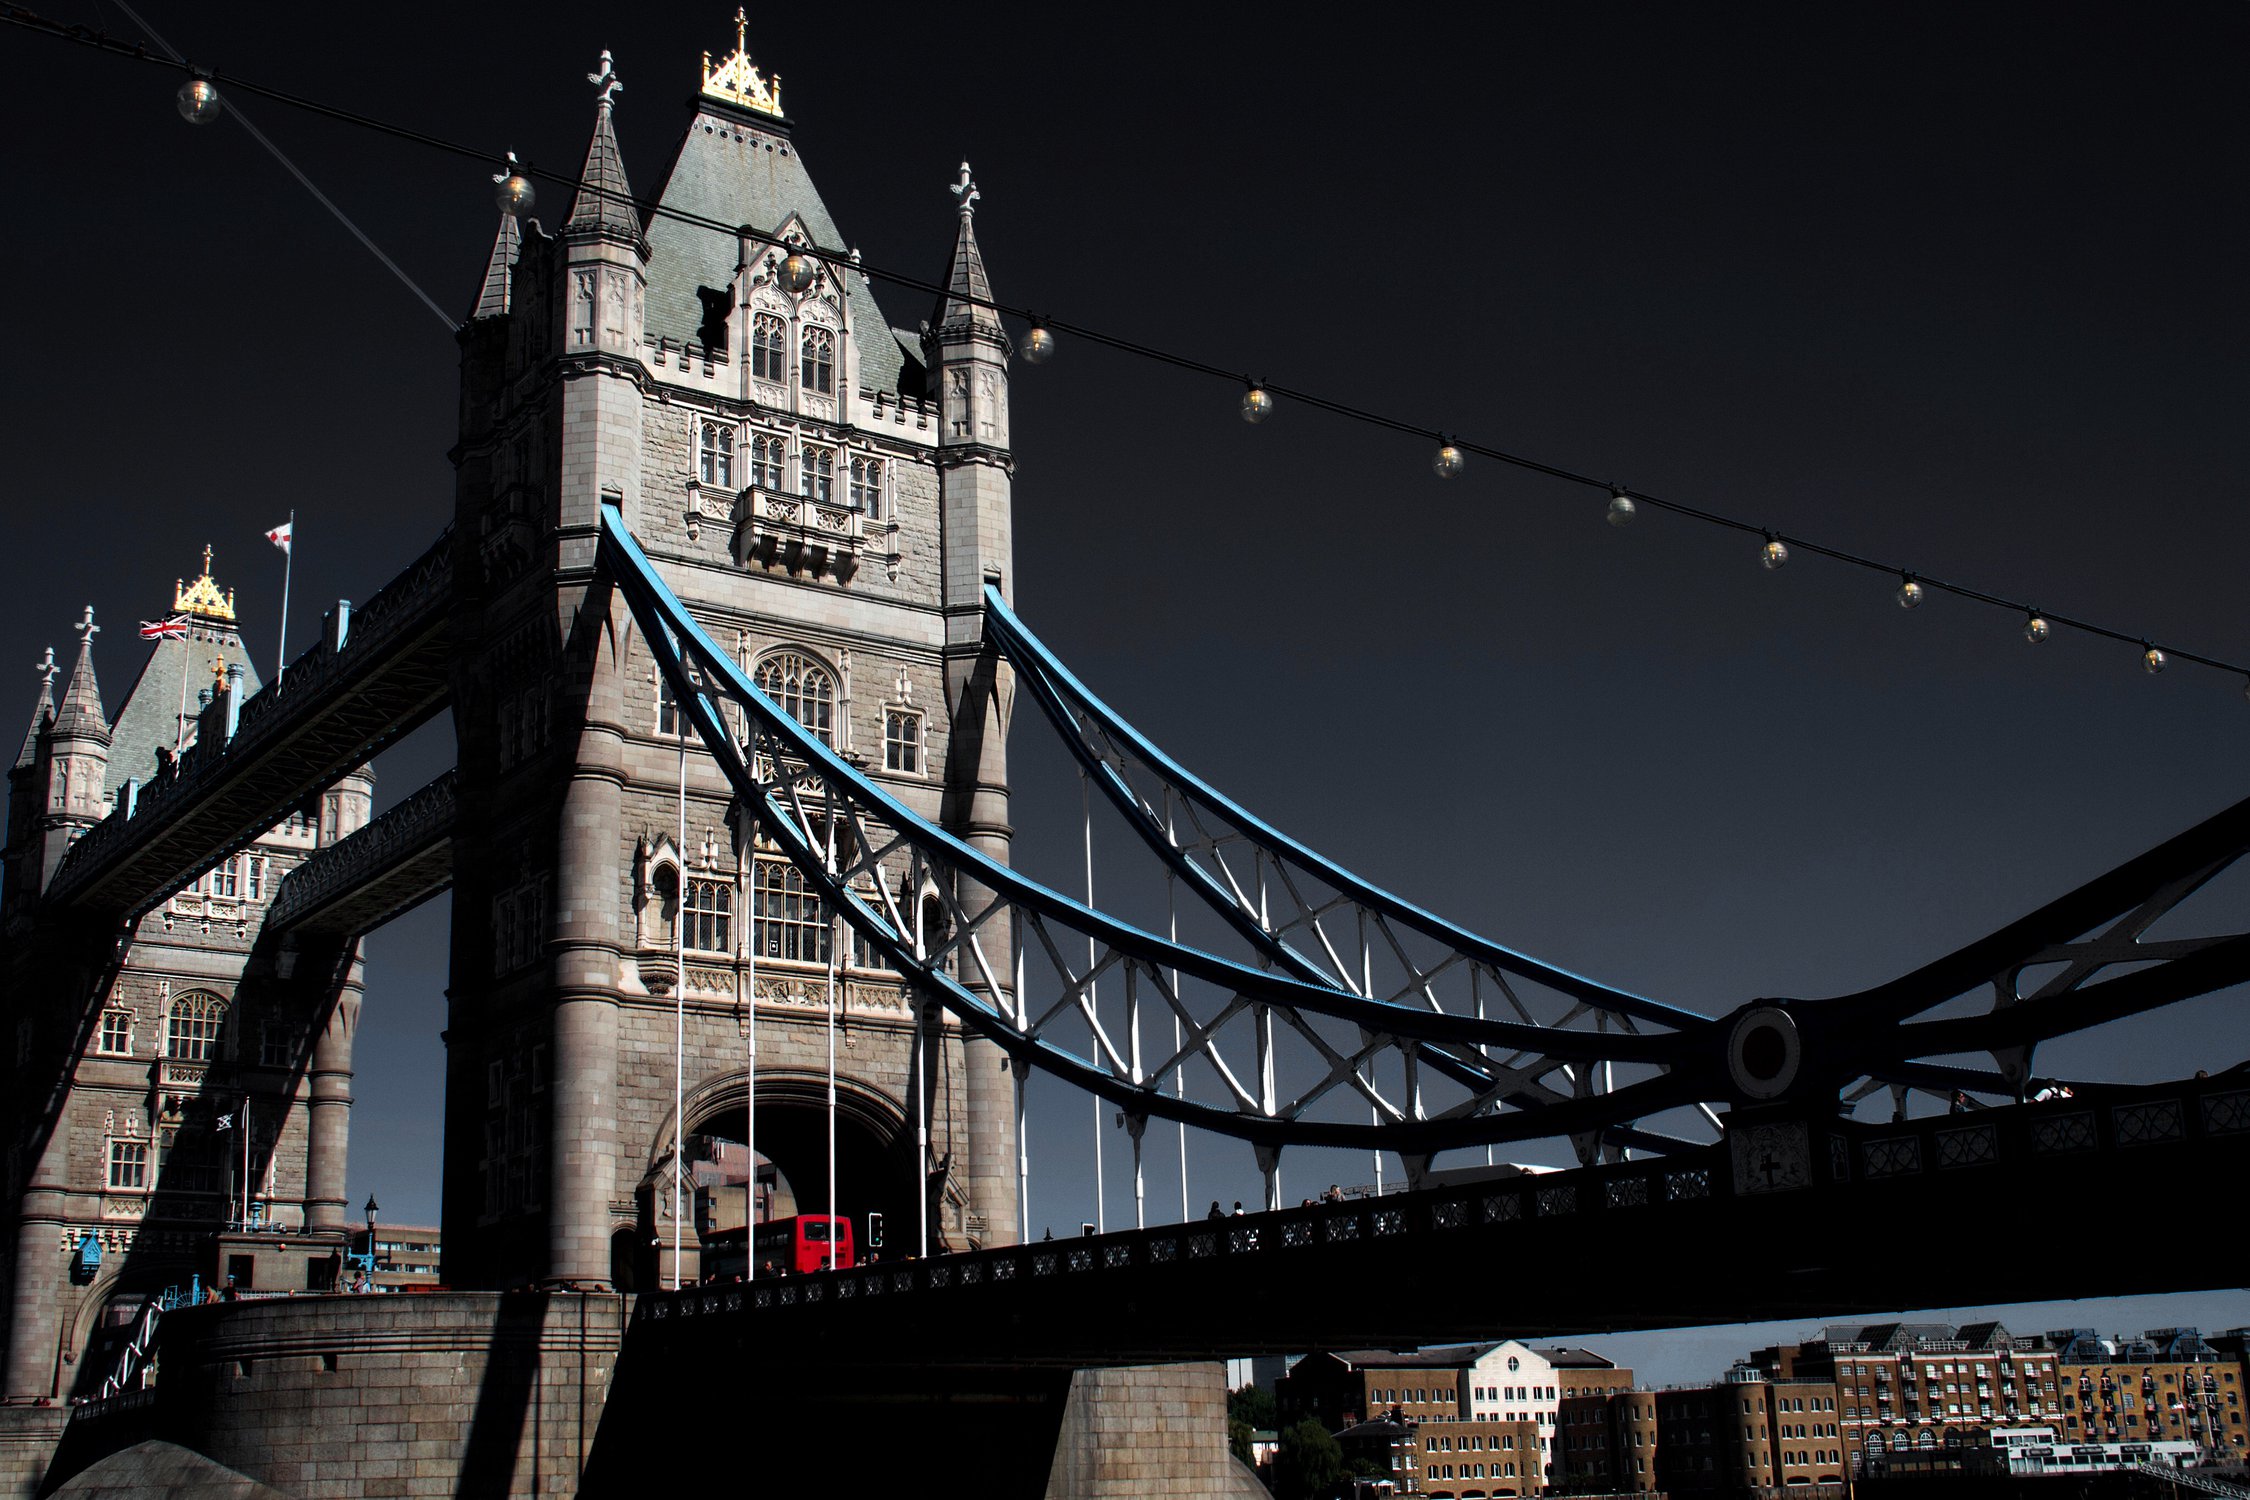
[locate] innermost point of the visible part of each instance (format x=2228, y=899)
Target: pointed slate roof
x=602, y=205
x=499, y=271
x=964, y=277
x=151, y=714
x=81, y=710
x=41, y=711
x=741, y=168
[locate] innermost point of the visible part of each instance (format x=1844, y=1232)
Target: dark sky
x=1959, y=286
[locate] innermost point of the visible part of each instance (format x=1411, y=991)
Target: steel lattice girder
x=1832, y=1043
x=879, y=828
x=1862, y=1035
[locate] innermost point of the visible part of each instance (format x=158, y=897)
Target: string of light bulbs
x=200, y=100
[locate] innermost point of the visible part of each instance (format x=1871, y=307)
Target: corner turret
x=605, y=281
x=74, y=794
x=26, y=794
x=968, y=352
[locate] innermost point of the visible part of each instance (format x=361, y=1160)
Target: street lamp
x=372, y=1208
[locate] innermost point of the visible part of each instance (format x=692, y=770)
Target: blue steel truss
x=1353, y=976
x=1288, y=902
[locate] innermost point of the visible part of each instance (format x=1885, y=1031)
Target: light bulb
x=1038, y=345
x=1448, y=462
x=799, y=271
x=1622, y=509
x=2152, y=660
x=1257, y=405
x=198, y=99
x=1909, y=593
x=1774, y=553
x=2035, y=629
x=515, y=194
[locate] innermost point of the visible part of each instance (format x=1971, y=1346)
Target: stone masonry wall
x=28, y=1435
x=1148, y=1432
x=470, y=1393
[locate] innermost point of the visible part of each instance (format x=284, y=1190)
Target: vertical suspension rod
x=679, y=1001
x=1093, y=1003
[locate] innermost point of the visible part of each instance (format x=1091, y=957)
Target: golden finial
x=737, y=80
x=202, y=597
x=219, y=671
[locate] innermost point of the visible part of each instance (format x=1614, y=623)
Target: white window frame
x=707, y=909
x=769, y=462
x=816, y=473
x=816, y=359
x=867, y=471
x=714, y=453
x=112, y=1021
x=904, y=754
x=128, y=1159
x=789, y=922
x=777, y=348
x=792, y=699
x=205, y=1017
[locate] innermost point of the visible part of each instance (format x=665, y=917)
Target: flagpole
x=245, y=1163
x=179, y=724
x=288, y=562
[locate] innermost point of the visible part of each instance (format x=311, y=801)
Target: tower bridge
x=724, y=627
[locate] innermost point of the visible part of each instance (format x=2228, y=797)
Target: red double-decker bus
x=808, y=1242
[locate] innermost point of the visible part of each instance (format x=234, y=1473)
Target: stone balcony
x=818, y=537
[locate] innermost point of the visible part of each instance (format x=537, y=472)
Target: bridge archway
x=876, y=1166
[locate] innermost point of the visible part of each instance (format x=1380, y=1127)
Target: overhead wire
x=847, y=260
x=306, y=182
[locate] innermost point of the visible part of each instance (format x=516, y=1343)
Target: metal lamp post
x=372, y=1208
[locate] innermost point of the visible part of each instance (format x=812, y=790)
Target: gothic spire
x=81, y=710
x=41, y=711
x=603, y=202
x=499, y=272
x=965, y=278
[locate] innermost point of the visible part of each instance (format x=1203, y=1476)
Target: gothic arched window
x=191, y=1027
x=714, y=453
x=816, y=471
x=818, y=371
x=867, y=487
x=769, y=348
x=803, y=689
x=769, y=461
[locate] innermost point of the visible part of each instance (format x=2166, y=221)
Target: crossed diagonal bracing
x=1016, y=960
x=1473, y=1043
x=1311, y=917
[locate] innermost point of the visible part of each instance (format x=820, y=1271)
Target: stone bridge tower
x=828, y=494
x=181, y=1075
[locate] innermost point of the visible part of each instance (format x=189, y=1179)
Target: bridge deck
x=394, y=864
x=330, y=712
x=1716, y=1236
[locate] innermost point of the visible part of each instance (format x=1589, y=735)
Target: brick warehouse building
x=1486, y=1416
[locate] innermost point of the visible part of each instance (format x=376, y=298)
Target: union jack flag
x=174, y=629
